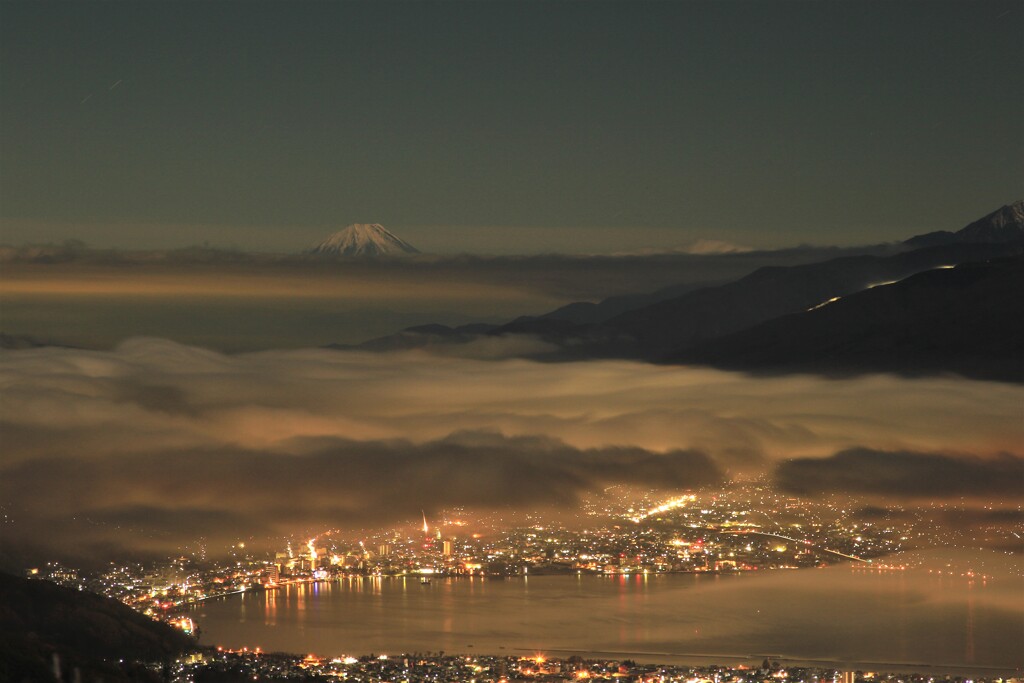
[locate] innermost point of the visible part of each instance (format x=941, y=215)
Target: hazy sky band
x=648, y=124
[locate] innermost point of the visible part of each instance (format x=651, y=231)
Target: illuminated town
x=738, y=529
x=441, y=668
x=742, y=528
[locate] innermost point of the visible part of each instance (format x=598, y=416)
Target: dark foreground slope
x=88, y=632
x=967, y=320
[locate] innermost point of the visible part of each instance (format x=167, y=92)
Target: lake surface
x=834, y=616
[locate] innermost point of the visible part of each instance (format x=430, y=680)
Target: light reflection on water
x=899, y=617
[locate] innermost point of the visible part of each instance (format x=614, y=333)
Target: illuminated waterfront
x=881, y=618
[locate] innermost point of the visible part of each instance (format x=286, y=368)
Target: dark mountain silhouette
x=665, y=326
x=657, y=331
x=771, y=292
x=421, y=336
x=654, y=332
x=588, y=313
x=1005, y=224
x=85, y=631
x=967, y=320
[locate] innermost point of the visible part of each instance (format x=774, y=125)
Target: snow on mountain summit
x=364, y=239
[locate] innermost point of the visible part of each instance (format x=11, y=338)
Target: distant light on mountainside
x=364, y=239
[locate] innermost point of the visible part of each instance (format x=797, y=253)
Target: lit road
x=803, y=541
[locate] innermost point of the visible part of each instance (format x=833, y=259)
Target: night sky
x=507, y=127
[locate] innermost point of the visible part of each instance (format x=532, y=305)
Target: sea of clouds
x=155, y=444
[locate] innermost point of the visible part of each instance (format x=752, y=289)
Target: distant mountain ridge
x=767, y=293
x=659, y=330
x=363, y=239
x=968, y=319
x=1005, y=224
x=723, y=325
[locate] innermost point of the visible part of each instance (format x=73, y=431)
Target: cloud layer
x=158, y=445
x=904, y=473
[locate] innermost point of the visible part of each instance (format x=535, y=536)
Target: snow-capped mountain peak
x=364, y=239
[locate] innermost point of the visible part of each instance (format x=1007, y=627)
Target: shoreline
x=675, y=660
x=705, y=659
x=667, y=656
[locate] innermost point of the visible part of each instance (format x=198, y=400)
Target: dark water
x=834, y=615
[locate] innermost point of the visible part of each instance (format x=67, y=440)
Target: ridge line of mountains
x=952, y=303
